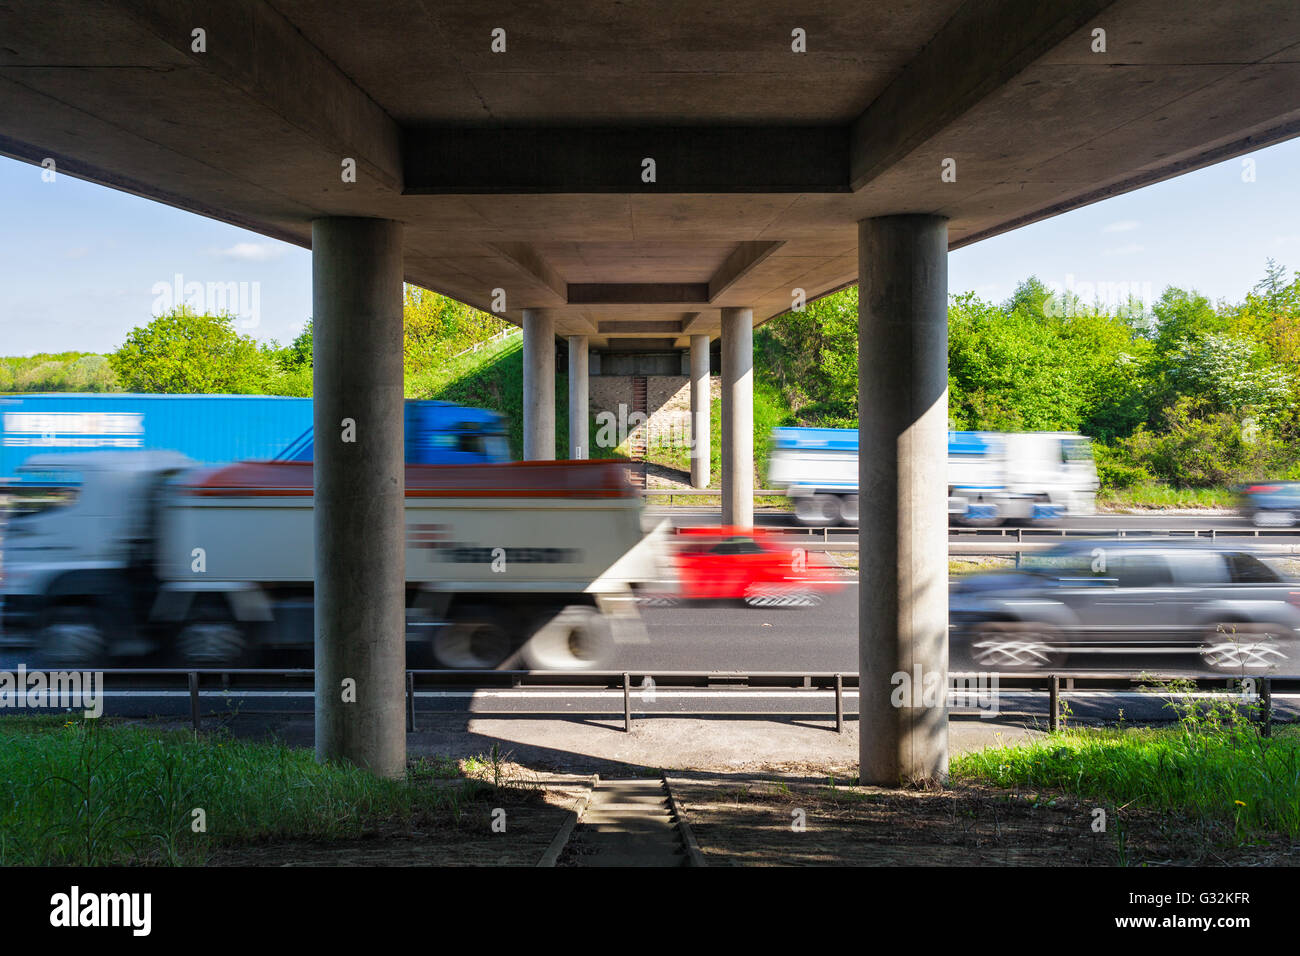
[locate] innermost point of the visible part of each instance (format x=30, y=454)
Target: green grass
x=95, y=793
x=1153, y=494
x=493, y=378
x=1213, y=768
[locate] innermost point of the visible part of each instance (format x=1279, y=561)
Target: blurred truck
x=992, y=477
x=142, y=555
x=213, y=429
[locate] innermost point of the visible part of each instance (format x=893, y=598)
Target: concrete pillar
x=360, y=481
x=539, y=385
x=903, y=526
x=738, y=417
x=578, y=413
x=701, y=412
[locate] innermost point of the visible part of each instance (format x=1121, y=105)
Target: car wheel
x=1015, y=646
x=1273, y=519
x=781, y=595
x=1237, y=647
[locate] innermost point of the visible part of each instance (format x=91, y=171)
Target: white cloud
x=77, y=252
x=1122, y=225
x=251, y=251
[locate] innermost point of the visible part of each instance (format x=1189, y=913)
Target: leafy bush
x=185, y=352
x=1200, y=450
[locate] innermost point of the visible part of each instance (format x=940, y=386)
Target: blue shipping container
x=214, y=429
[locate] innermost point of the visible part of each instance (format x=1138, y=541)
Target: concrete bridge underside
x=500, y=154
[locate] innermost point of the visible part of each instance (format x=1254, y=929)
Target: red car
x=748, y=565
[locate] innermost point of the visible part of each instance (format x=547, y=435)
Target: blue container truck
x=216, y=429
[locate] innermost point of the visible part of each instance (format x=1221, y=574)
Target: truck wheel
x=1242, y=647
x=980, y=515
x=209, y=637
x=475, y=640
x=818, y=510
x=73, y=635
x=1015, y=646
x=849, y=510
x=577, y=638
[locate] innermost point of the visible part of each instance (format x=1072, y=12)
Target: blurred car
x=1159, y=603
x=1272, y=504
x=742, y=564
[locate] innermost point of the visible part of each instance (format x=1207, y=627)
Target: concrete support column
x=359, y=504
x=738, y=417
x=701, y=412
x=903, y=549
x=539, y=385
x=578, y=413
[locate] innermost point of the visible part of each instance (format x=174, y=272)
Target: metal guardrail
x=838, y=681
x=488, y=342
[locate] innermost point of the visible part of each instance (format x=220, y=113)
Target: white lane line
x=661, y=693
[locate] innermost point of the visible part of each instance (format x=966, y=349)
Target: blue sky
x=83, y=264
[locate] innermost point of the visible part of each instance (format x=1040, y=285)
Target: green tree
x=185, y=352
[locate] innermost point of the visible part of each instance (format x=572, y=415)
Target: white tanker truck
x=119, y=555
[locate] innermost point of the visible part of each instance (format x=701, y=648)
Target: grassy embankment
x=93, y=792
x=1214, y=768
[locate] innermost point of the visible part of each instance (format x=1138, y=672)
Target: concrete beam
x=360, y=480
x=745, y=258
x=903, y=519
x=696, y=322
x=701, y=413
x=639, y=327
x=688, y=159
x=738, y=417
x=255, y=49
x=534, y=264
x=637, y=293
x=539, y=385
x=983, y=46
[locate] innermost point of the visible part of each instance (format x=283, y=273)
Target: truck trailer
x=1032, y=477
x=214, y=429
x=144, y=556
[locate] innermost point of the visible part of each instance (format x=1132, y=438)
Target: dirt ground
x=822, y=822
x=535, y=807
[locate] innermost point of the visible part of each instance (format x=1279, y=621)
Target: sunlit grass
x=1154, y=494
x=1217, y=770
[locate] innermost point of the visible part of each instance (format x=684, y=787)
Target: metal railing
x=1261, y=692
x=499, y=336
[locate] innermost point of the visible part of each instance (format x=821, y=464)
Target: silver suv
x=1155, y=604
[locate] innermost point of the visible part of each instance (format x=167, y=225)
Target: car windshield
x=1071, y=563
